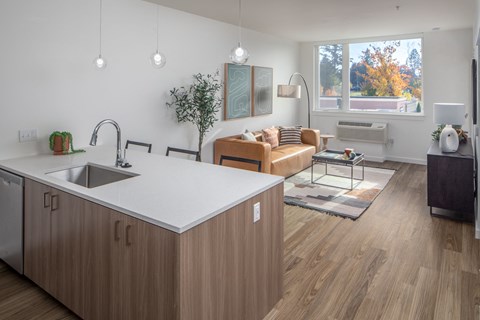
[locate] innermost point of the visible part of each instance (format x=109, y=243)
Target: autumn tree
x=357, y=69
x=330, y=68
x=383, y=72
x=414, y=63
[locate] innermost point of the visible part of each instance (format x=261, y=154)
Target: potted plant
x=198, y=104
x=62, y=143
x=462, y=135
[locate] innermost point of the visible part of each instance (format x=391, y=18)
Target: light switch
x=256, y=212
x=26, y=135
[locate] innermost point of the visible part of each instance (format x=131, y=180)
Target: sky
x=401, y=54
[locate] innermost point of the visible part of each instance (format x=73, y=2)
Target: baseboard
x=407, y=160
x=374, y=158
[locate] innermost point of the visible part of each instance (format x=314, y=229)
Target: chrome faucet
x=93, y=140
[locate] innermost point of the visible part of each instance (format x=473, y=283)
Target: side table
x=450, y=180
x=325, y=138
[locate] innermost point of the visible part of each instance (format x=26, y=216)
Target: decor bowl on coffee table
x=299, y=191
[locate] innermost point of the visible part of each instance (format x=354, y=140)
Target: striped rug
x=333, y=199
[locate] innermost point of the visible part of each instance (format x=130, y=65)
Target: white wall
x=446, y=78
x=47, y=79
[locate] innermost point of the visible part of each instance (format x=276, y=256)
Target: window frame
x=345, y=107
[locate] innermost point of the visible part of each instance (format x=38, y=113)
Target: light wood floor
x=395, y=262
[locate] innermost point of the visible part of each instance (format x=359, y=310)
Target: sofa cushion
x=291, y=158
x=290, y=135
x=270, y=135
x=249, y=136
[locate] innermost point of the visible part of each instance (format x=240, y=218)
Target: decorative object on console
x=238, y=91
x=239, y=55
x=462, y=135
x=62, y=143
x=262, y=85
x=449, y=114
x=100, y=62
x=157, y=59
x=198, y=104
x=294, y=91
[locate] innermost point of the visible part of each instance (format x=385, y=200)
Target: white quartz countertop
x=173, y=193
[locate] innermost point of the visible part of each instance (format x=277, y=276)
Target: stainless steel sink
x=91, y=176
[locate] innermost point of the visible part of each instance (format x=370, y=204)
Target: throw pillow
x=290, y=135
x=248, y=136
x=270, y=135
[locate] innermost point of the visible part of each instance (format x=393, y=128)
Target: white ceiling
x=317, y=20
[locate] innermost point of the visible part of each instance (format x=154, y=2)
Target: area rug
x=332, y=199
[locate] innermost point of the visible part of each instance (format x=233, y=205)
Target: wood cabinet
x=127, y=267
x=52, y=246
x=451, y=182
x=103, y=264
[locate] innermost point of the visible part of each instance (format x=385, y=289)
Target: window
x=382, y=76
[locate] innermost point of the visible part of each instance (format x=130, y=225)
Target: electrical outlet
x=256, y=212
x=26, y=135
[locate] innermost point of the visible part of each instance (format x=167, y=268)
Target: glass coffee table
x=336, y=157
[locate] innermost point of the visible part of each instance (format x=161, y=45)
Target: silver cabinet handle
x=127, y=240
x=54, y=202
x=46, y=200
x=116, y=236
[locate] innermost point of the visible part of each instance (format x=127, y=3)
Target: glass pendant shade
x=100, y=62
x=158, y=59
x=239, y=55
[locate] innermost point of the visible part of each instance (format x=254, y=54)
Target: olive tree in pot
x=198, y=104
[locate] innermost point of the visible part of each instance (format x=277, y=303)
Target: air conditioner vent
x=362, y=131
x=355, y=124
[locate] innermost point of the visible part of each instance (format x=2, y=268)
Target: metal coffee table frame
x=335, y=157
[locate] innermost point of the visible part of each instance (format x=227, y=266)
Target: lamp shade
x=449, y=113
x=289, y=91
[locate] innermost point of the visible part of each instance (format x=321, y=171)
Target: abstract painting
x=238, y=91
x=262, y=90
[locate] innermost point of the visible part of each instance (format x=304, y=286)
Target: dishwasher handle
x=5, y=182
x=8, y=178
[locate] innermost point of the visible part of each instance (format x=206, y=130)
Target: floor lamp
x=294, y=91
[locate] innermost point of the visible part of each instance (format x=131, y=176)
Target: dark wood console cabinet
x=451, y=182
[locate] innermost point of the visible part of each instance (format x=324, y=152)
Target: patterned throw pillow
x=248, y=136
x=290, y=135
x=270, y=135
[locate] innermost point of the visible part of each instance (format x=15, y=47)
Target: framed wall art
x=262, y=87
x=238, y=91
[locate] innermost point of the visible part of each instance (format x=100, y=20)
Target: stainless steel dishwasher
x=11, y=220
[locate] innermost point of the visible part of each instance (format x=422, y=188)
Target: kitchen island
x=177, y=241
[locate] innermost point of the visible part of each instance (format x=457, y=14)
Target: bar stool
x=141, y=144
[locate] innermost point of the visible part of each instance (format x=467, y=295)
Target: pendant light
x=239, y=55
x=100, y=62
x=158, y=59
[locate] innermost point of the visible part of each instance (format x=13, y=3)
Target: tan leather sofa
x=284, y=160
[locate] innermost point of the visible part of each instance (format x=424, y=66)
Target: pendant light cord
x=157, y=27
x=239, y=22
x=100, y=45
